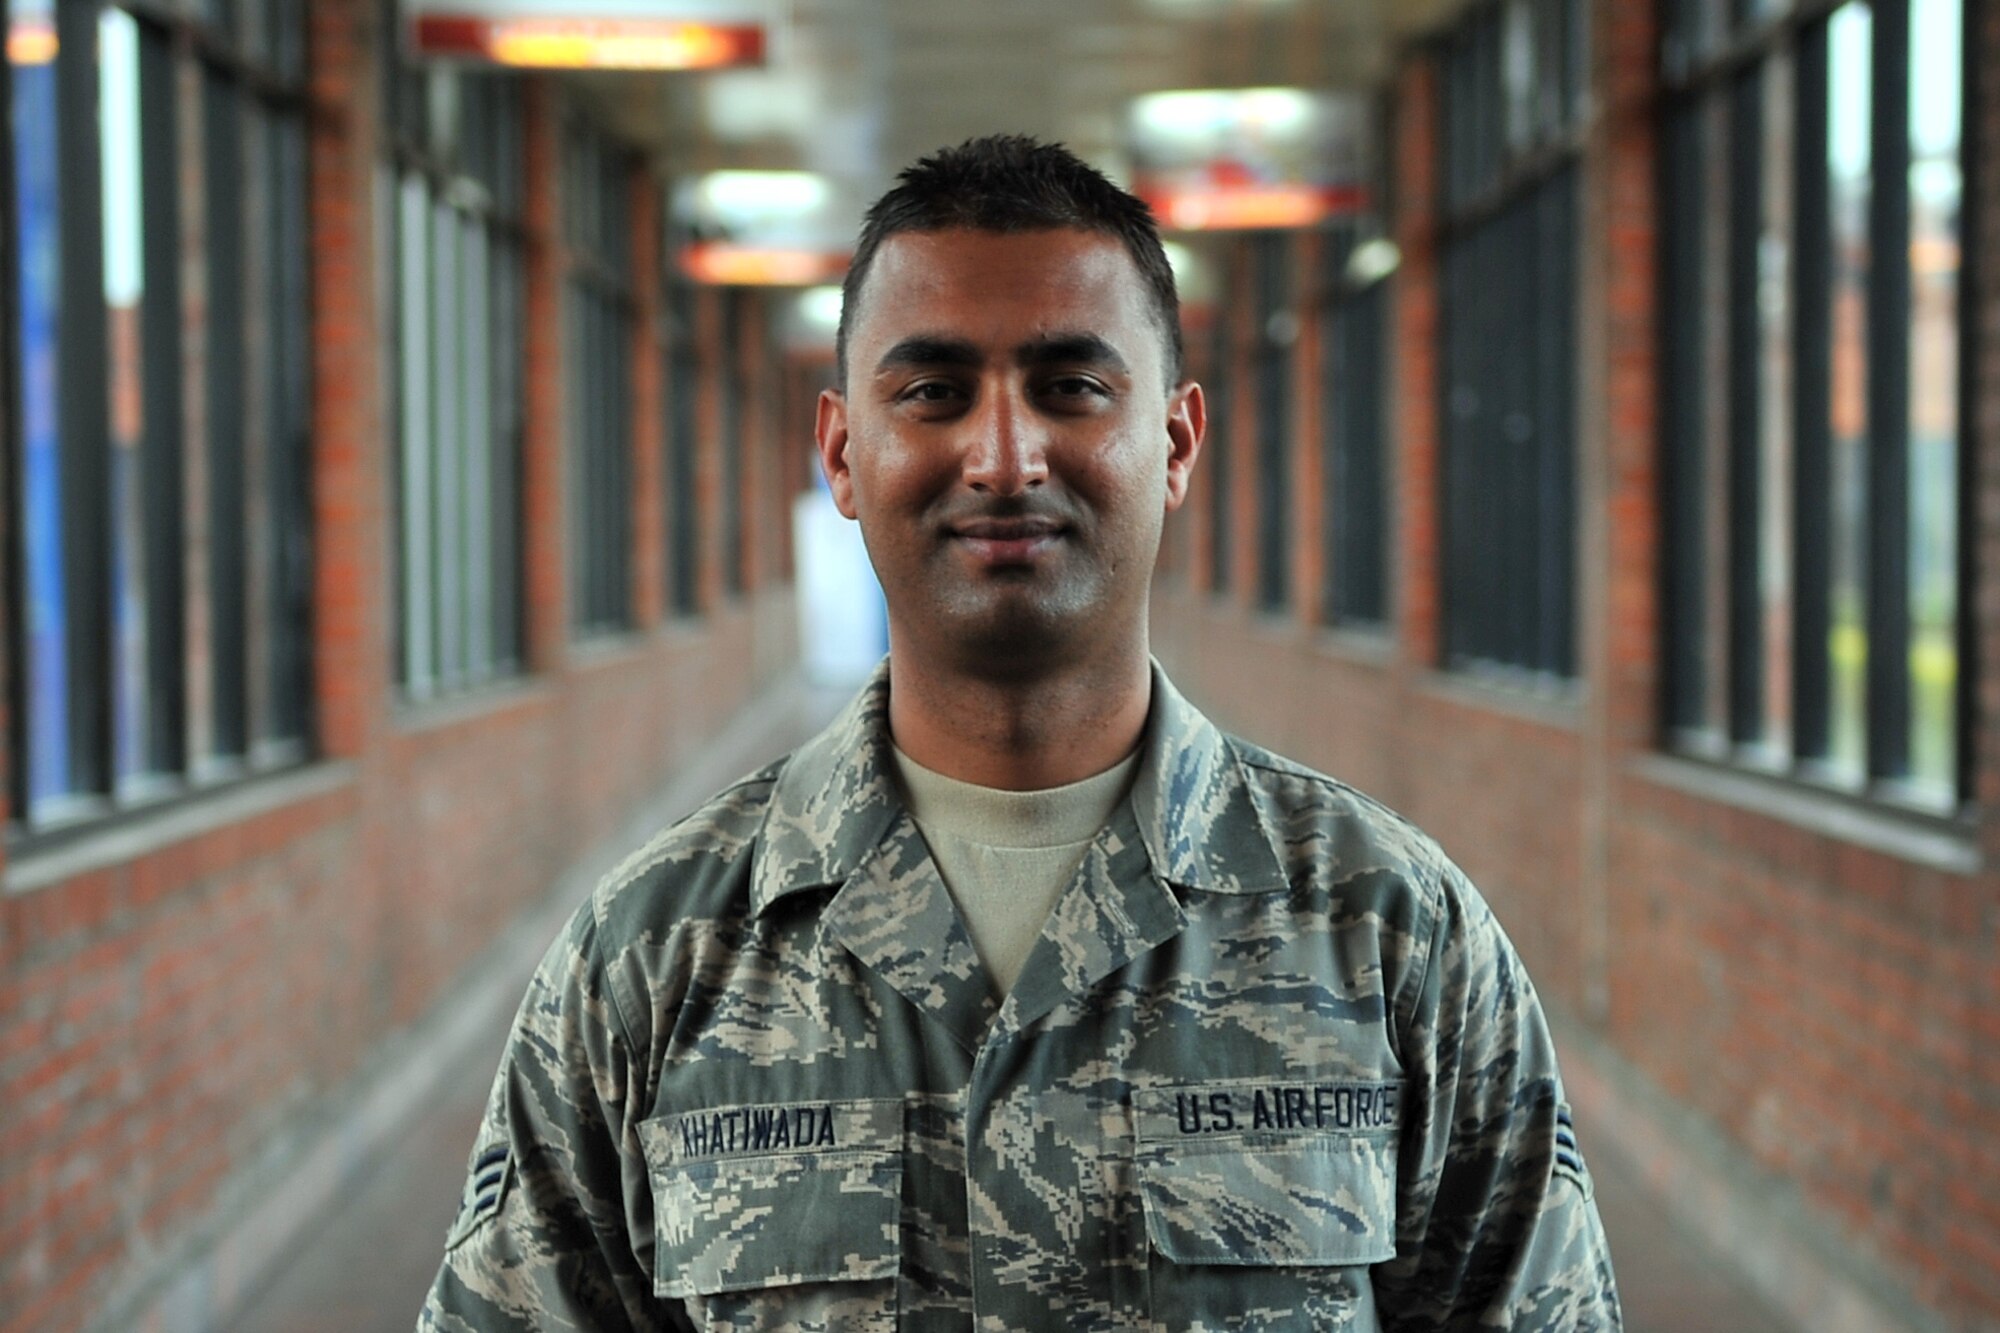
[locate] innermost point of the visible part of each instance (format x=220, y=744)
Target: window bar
x=507, y=485
x=1337, y=392
x=1972, y=342
x=732, y=440
x=229, y=623
x=584, y=450
x=1745, y=389
x=1888, y=400
x=1535, y=273
x=165, y=746
x=1468, y=386
x=475, y=554
x=1555, y=427
x=1369, y=493
x=1681, y=415
x=1274, y=425
x=1220, y=534
x=611, y=348
x=608, y=542
x=1812, y=397
x=291, y=619
x=83, y=407
x=447, y=444
x=1455, y=398
x=618, y=320
x=12, y=559
x=1500, y=365
x=417, y=666
x=681, y=423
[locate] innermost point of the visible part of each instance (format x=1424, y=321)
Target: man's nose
x=1007, y=449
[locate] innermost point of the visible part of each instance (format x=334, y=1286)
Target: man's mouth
x=1006, y=541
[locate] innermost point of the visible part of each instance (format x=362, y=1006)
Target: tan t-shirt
x=1006, y=856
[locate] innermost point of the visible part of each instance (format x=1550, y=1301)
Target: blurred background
x=409, y=505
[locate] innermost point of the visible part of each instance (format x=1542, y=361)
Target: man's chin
x=1013, y=642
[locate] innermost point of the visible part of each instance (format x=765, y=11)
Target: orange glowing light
x=722, y=265
x=31, y=42
x=580, y=43
x=1250, y=207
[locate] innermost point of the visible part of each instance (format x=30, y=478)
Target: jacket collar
x=1198, y=816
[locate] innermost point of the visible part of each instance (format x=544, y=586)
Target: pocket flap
x=1327, y=1200
x=771, y=1196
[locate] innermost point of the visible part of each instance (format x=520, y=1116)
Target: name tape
x=1270, y=1108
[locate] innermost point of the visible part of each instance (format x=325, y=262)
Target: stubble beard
x=1003, y=627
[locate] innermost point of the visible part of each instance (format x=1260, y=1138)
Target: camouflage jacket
x=1271, y=1065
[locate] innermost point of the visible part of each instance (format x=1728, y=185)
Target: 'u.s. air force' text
x=1281, y=1107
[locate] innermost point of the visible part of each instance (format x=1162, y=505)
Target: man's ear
x=1187, y=427
x=830, y=433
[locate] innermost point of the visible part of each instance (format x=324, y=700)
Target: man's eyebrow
x=925, y=349
x=1086, y=349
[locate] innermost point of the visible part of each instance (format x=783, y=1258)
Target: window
x=457, y=157
x=1812, y=406
x=683, y=379
x=1512, y=91
x=161, y=540
x=1353, y=426
x=597, y=383
x=1274, y=337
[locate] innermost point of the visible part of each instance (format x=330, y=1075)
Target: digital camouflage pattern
x=1271, y=1065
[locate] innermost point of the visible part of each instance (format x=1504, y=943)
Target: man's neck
x=1020, y=734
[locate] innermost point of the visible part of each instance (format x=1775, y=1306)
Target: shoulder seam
x=1432, y=885
x=1327, y=780
x=647, y=855
x=603, y=967
x=635, y=864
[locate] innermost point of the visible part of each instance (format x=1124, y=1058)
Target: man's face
x=1008, y=442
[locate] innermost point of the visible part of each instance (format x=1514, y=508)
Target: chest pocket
x=1265, y=1203
x=778, y=1210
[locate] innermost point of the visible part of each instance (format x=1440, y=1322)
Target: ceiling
x=856, y=89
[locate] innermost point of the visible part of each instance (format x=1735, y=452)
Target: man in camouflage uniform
x=1270, y=1064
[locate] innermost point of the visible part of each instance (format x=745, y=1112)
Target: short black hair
x=1014, y=183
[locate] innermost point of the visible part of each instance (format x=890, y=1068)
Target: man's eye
x=930, y=391
x=1076, y=386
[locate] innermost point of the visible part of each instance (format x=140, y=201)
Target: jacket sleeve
x=543, y=1238
x=1496, y=1226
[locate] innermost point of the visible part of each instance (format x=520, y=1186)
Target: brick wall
x=1818, y=986
x=181, y=996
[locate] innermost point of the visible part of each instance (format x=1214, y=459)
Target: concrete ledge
x=1812, y=1278
x=203, y=1281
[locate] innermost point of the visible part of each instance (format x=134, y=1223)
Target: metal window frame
x=1972, y=340
x=475, y=183
x=12, y=551
x=681, y=354
x=1509, y=227
x=162, y=448
x=1744, y=391
x=1889, y=288
x=1812, y=404
x=1353, y=373
x=1271, y=267
x=222, y=140
x=170, y=41
x=600, y=317
x=1683, y=682
x=1690, y=79
x=731, y=419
